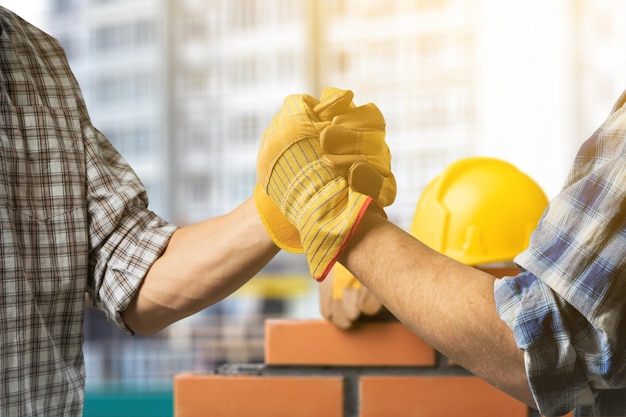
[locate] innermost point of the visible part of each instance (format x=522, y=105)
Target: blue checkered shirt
x=73, y=220
x=568, y=306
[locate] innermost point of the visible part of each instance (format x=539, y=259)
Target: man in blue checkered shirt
x=567, y=308
x=553, y=336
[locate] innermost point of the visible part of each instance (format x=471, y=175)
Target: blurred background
x=185, y=88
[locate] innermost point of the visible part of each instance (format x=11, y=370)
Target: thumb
x=363, y=178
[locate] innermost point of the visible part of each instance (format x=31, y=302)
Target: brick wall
x=313, y=369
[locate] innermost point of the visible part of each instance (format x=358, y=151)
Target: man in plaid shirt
x=74, y=219
x=553, y=336
x=567, y=308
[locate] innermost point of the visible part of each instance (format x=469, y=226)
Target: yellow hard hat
x=479, y=210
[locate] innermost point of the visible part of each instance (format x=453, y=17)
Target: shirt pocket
x=41, y=161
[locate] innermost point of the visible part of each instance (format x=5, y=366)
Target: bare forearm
x=202, y=264
x=448, y=304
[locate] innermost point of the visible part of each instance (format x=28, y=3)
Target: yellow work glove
x=282, y=232
x=354, y=145
x=313, y=197
x=344, y=300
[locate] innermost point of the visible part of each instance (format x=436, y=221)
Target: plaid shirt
x=73, y=220
x=568, y=306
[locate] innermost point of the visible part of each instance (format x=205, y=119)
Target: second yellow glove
x=355, y=145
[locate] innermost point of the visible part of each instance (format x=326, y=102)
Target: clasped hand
x=321, y=163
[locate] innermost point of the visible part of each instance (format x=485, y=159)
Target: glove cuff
x=328, y=232
x=283, y=233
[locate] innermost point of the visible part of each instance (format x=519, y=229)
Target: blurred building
x=185, y=88
x=523, y=81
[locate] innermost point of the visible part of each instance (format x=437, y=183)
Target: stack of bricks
x=314, y=369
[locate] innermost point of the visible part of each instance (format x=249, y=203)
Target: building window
x=62, y=6
x=286, y=63
x=195, y=28
x=125, y=36
x=245, y=130
x=244, y=71
x=285, y=11
x=68, y=43
x=431, y=4
x=123, y=88
x=243, y=14
x=134, y=142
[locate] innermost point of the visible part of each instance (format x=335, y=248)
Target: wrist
x=373, y=218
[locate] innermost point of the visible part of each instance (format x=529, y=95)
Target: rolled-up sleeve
x=548, y=330
x=567, y=307
x=126, y=237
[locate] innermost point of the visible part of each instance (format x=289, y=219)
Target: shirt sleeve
x=567, y=308
x=545, y=328
x=126, y=238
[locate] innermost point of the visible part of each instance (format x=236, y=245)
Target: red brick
x=438, y=396
x=259, y=396
x=319, y=342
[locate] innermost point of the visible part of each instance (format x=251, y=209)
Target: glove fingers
x=339, y=318
x=344, y=162
x=292, y=123
x=295, y=104
x=343, y=279
x=367, y=116
x=326, y=298
x=340, y=140
x=331, y=297
x=334, y=101
x=367, y=303
x=328, y=93
x=350, y=304
x=363, y=177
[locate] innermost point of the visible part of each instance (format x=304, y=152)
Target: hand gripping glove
x=314, y=197
x=355, y=146
x=282, y=232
